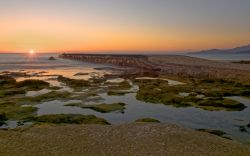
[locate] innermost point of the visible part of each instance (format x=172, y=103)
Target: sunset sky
x=123, y=25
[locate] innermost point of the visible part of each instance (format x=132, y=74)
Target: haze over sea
x=19, y=61
x=222, y=57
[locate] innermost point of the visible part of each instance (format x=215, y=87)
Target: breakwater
x=169, y=65
x=136, y=61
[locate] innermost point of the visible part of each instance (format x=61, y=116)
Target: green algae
x=222, y=88
x=9, y=86
x=11, y=92
x=159, y=92
x=6, y=81
x=74, y=104
x=215, y=132
x=77, y=85
x=70, y=119
x=220, y=104
x=81, y=74
x=3, y=119
x=32, y=85
x=55, y=88
x=150, y=120
x=118, y=86
x=107, y=108
x=54, y=95
x=117, y=93
x=16, y=112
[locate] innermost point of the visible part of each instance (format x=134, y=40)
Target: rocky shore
x=147, y=77
x=184, y=66
x=127, y=139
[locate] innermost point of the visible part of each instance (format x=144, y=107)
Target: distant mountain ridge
x=237, y=50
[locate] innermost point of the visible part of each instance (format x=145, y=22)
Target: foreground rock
x=127, y=139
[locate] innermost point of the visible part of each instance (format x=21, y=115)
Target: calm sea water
x=37, y=61
x=222, y=57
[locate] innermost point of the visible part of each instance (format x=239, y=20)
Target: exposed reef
x=78, y=85
x=103, y=108
x=107, y=108
x=204, y=94
x=148, y=120
x=70, y=119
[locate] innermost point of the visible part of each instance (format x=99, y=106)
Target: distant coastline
x=238, y=50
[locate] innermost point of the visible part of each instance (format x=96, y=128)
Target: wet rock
x=3, y=119
x=81, y=74
x=70, y=119
x=107, y=108
x=148, y=120
x=242, y=129
x=52, y=58
x=215, y=132
x=33, y=84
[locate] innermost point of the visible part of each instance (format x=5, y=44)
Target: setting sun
x=32, y=52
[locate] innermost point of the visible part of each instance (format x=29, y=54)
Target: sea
x=41, y=61
x=221, y=57
x=19, y=61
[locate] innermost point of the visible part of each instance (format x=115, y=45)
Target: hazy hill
x=237, y=50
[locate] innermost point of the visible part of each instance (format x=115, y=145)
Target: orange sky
x=97, y=26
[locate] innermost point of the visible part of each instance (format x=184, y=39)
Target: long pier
x=136, y=61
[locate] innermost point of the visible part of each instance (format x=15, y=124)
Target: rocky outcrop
x=52, y=58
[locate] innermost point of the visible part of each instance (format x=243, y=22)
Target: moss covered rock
x=78, y=85
x=148, y=120
x=107, y=108
x=221, y=104
x=32, y=84
x=3, y=119
x=70, y=119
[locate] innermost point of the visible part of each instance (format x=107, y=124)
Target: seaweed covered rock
x=32, y=84
x=3, y=119
x=74, y=83
x=124, y=85
x=52, y=58
x=6, y=81
x=158, y=92
x=54, y=95
x=107, y=108
x=81, y=74
x=14, y=111
x=148, y=120
x=215, y=132
x=221, y=104
x=70, y=119
x=10, y=92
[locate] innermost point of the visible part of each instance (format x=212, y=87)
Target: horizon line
x=126, y=51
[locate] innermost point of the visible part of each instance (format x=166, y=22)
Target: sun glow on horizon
x=122, y=26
